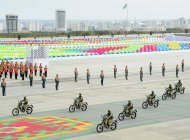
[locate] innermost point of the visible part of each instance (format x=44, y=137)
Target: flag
x=125, y=6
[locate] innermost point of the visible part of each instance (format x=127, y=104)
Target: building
x=34, y=26
x=11, y=23
x=61, y=20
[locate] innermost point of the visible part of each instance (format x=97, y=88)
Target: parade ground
x=51, y=118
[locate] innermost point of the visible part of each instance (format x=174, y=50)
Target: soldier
x=31, y=68
x=126, y=73
x=3, y=86
x=5, y=71
x=22, y=73
x=150, y=68
x=177, y=71
x=16, y=71
x=76, y=74
x=115, y=71
x=21, y=67
x=1, y=70
x=40, y=67
x=102, y=77
x=88, y=76
x=31, y=79
x=56, y=82
x=43, y=80
x=45, y=71
x=182, y=65
x=11, y=72
x=141, y=74
x=163, y=69
x=35, y=69
x=26, y=70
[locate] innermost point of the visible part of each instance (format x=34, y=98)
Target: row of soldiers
x=7, y=67
x=126, y=72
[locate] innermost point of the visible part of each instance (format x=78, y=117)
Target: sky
x=96, y=9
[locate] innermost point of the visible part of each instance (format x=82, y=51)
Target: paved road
x=169, y=110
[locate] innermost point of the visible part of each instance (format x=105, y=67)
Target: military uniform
x=3, y=86
x=141, y=74
x=31, y=79
x=40, y=67
x=43, y=81
x=76, y=74
x=126, y=73
x=35, y=69
x=182, y=65
x=26, y=70
x=177, y=71
x=88, y=76
x=102, y=78
x=150, y=68
x=115, y=71
x=56, y=82
x=45, y=71
x=163, y=70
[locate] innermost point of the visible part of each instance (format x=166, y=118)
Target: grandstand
x=17, y=49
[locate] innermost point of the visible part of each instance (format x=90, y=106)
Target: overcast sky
x=96, y=9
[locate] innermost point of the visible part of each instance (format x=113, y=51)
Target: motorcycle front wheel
x=72, y=108
x=173, y=96
x=99, y=128
x=29, y=110
x=133, y=115
x=113, y=126
x=156, y=103
x=182, y=91
x=15, y=112
x=164, y=96
x=121, y=116
x=84, y=107
x=145, y=105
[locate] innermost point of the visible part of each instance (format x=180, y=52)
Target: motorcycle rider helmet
x=80, y=94
x=179, y=81
x=24, y=97
x=152, y=93
x=129, y=101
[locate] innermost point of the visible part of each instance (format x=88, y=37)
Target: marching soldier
x=31, y=79
x=22, y=73
x=16, y=71
x=26, y=70
x=141, y=74
x=31, y=68
x=76, y=74
x=126, y=73
x=56, y=82
x=3, y=86
x=45, y=71
x=163, y=69
x=102, y=77
x=10, y=72
x=43, y=80
x=35, y=69
x=40, y=68
x=21, y=67
x=177, y=71
x=1, y=70
x=150, y=68
x=5, y=71
x=115, y=71
x=182, y=65
x=88, y=76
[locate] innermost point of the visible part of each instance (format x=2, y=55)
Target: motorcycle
x=179, y=90
x=148, y=103
x=100, y=127
x=168, y=95
x=73, y=107
x=28, y=109
x=125, y=113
